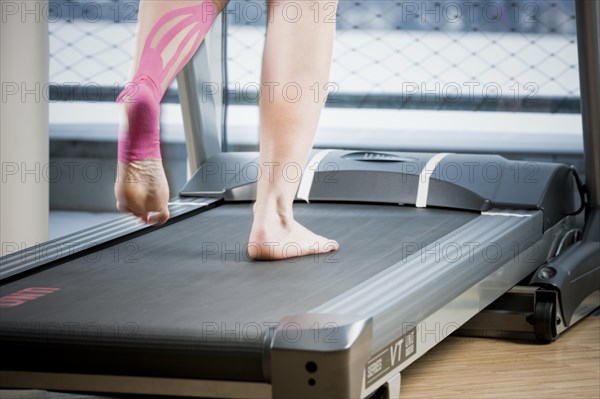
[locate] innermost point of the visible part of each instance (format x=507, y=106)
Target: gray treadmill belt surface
x=186, y=301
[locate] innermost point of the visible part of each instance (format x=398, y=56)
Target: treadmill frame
x=202, y=91
x=378, y=327
x=555, y=298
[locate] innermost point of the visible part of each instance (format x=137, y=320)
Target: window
x=447, y=75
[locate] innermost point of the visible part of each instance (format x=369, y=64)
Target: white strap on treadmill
x=515, y=215
x=423, y=189
x=309, y=174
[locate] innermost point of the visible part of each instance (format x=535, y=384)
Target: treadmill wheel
x=544, y=321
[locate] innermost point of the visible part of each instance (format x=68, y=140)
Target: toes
x=331, y=246
x=159, y=217
x=124, y=209
x=148, y=199
x=145, y=217
x=289, y=249
x=323, y=247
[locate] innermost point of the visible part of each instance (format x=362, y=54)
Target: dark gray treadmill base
x=40, y=394
x=189, y=304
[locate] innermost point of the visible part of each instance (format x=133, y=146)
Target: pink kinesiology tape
x=143, y=94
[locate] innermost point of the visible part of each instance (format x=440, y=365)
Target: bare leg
x=168, y=33
x=298, y=54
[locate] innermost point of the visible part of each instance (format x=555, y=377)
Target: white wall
x=23, y=124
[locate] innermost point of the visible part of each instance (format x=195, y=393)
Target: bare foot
x=142, y=189
x=273, y=238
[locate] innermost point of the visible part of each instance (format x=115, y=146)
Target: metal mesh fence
x=389, y=53
x=520, y=55
x=91, y=41
x=90, y=53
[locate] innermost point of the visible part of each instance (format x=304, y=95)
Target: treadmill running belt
x=185, y=300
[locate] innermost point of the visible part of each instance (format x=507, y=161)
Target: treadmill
x=428, y=242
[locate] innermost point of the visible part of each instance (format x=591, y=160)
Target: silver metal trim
x=424, y=279
x=201, y=86
x=337, y=345
x=393, y=386
x=68, y=245
x=432, y=329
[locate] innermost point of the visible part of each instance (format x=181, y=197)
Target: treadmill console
x=471, y=182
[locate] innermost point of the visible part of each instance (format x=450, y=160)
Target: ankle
x=139, y=136
x=266, y=214
x=142, y=89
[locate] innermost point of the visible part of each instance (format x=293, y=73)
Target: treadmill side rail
x=89, y=239
x=441, y=271
x=425, y=297
x=320, y=355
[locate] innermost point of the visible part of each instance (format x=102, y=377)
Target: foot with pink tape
x=174, y=36
x=141, y=187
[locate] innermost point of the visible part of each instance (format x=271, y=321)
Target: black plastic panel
x=458, y=181
x=574, y=273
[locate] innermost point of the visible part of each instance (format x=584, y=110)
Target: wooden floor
x=463, y=367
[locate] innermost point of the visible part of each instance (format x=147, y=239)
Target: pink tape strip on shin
x=143, y=94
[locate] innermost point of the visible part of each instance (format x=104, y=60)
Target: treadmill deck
x=190, y=291
x=196, y=271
